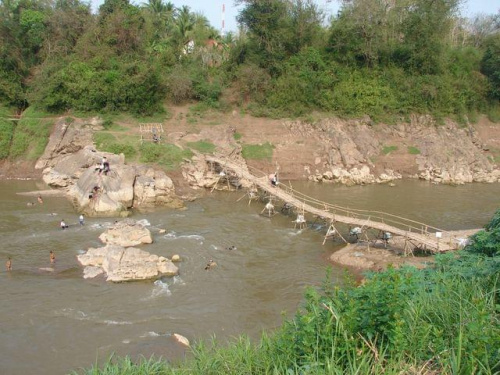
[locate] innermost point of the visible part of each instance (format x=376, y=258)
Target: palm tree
x=184, y=23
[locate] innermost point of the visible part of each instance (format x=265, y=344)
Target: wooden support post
x=332, y=232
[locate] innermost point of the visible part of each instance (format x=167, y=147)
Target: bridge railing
x=428, y=232
x=400, y=222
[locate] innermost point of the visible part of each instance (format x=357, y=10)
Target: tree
x=490, y=64
x=360, y=31
x=426, y=27
x=277, y=29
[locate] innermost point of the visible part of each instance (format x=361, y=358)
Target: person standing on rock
x=8, y=264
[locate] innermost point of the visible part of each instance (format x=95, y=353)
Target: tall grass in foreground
x=442, y=320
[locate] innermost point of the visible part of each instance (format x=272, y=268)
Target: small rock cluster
x=354, y=176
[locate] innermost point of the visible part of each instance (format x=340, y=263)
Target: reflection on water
x=53, y=321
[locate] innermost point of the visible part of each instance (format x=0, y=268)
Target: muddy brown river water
x=52, y=322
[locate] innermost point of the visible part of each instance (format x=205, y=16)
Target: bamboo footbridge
x=418, y=234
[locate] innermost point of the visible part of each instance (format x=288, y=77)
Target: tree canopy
x=374, y=57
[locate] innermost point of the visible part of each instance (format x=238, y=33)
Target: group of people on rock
x=103, y=167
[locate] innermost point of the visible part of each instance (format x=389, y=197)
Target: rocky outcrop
x=126, y=233
x=154, y=188
x=360, y=152
x=200, y=175
x=69, y=163
x=125, y=264
x=181, y=339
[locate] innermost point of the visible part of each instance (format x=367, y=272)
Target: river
x=55, y=322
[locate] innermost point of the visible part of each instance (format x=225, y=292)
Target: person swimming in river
x=64, y=225
x=211, y=264
x=40, y=200
x=52, y=257
x=8, y=264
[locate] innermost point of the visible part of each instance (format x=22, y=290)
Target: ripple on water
x=160, y=289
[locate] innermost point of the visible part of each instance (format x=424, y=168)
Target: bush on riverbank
x=443, y=319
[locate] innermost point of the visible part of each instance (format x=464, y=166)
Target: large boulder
x=125, y=264
x=153, y=187
x=126, y=233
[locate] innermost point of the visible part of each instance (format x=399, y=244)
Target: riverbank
x=378, y=256
x=321, y=148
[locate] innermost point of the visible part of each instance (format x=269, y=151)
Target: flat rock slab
x=127, y=233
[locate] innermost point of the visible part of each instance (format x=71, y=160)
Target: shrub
x=487, y=241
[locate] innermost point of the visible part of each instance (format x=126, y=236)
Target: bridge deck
x=417, y=233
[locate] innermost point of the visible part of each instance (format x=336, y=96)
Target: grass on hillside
x=31, y=135
x=412, y=150
x=166, y=155
x=257, y=152
x=388, y=149
x=128, y=145
x=6, y=132
x=205, y=147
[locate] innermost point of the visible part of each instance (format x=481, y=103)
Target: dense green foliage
x=287, y=60
x=487, y=241
x=444, y=319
